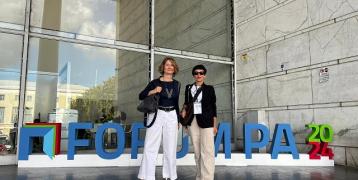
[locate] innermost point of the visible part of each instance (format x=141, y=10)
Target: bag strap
x=197, y=93
x=188, y=93
x=146, y=118
x=156, y=112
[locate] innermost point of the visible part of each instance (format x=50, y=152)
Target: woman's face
x=199, y=75
x=168, y=67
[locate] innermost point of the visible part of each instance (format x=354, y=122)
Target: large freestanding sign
x=319, y=138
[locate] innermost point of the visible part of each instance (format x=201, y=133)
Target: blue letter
x=27, y=133
x=224, y=130
x=72, y=141
x=248, y=144
x=184, y=147
x=280, y=130
x=136, y=142
x=99, y=141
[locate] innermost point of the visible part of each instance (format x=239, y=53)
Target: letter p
x=248, y=139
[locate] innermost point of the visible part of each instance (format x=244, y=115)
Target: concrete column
x=46, y=86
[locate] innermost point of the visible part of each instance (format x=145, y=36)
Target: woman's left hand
x=215, y=126
x=215, y=129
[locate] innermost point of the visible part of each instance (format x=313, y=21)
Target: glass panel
x=12, y=11
x=79, y=83
x=194, y=25
x=125, y=20
x=218, y=75
x=10, y=62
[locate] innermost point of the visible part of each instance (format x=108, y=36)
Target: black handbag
x=189, y=108
x=147, y=106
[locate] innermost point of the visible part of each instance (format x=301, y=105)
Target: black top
x=169, y=96
x=208, y=105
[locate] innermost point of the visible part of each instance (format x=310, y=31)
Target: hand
x=183, y=113
x=186, y=130
x=215, y=130
x=158, y=89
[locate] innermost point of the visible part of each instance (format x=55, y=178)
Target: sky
x=88, y=17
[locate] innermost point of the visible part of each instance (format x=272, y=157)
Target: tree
x=97, y=103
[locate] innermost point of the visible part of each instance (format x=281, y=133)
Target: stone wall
x=281, y=47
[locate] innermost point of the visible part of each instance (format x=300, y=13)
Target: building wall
x=10, y=90
x=199, y=26
x=132, y=24
x=88, y=38
x=281, y=48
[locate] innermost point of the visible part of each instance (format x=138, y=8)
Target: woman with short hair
x=203, y=124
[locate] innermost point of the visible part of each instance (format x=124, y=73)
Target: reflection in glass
x=125, y=20
x=218, y=75
x=194, y=25
x=79, y=83
x=12, y=11
x=10, y=62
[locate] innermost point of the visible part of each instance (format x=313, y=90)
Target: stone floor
x=184, y=172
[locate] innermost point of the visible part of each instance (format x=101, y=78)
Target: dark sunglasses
x=196, y=73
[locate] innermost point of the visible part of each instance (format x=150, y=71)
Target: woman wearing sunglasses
x=203, y=124
x=165, y=125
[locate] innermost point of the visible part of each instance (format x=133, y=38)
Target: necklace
x=169, y=93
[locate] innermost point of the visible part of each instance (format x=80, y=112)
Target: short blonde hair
x=161, y=66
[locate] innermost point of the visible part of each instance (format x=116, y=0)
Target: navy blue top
x=169, y=96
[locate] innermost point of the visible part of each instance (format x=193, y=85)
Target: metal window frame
x=33, y=32
x=234, y=73
x=151, y=39
x=23, y=75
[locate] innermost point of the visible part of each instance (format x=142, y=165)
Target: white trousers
x=165, y=127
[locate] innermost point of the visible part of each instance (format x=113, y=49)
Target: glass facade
x=12, y=11
x=124, y=20
x=194, y=25
x=218, y=75
x=80, y=83
x=10, y=63
x=87, y=60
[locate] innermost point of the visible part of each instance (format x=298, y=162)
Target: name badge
x=197, y=108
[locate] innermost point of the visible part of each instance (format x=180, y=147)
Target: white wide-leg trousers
x=165, y=127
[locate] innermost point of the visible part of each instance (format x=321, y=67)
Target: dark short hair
x=200, y=66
